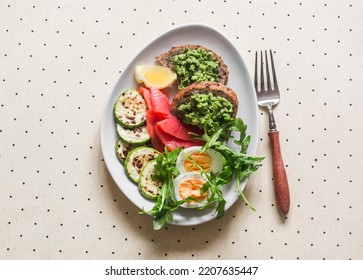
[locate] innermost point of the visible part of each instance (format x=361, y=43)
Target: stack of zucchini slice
x=132, y=146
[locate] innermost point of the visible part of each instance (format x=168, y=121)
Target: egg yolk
x=192, y=188
x=196, y=161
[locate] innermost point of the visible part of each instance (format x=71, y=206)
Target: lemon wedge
x=154, y=76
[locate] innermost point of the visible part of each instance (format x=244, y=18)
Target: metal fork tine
x=261, y=77
x=273, y=72
x=256, y=79
x=267, y=72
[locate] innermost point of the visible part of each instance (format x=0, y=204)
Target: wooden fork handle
x=281, y=184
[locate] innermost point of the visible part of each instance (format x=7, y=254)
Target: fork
x=268, y=95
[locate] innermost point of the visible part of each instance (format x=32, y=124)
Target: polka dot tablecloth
x=59, y=61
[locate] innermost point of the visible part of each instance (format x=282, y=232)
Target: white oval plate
x=238, y=80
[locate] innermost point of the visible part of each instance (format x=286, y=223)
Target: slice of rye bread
x=166, y=59
x=215, y=88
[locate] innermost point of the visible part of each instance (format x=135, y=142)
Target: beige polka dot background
x=59, y=61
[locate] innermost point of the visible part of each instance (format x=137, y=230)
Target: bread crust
x=166, y=59
x=215, y=88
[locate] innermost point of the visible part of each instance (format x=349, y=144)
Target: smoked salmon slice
x=173, y=126
x=170, y=141
x=147, y=96
x=151, y=121
x=159, y=103
x=164, y=128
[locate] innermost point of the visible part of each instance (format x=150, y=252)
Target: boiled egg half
x=193, y=160
x=190, y=185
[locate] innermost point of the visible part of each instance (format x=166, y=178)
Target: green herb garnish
x=166, y=203
x=237, y=163
x=238, y=166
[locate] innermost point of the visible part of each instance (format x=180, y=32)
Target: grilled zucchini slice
x=135, y=136
x=122, y=149
x=137, y=159
x=148, y=187
x=130, y=109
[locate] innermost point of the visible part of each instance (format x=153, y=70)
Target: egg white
x=217, y=159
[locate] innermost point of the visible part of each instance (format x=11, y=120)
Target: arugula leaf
x=216, y=200
x=238, y=165
x=237, y=162
x=166, y=202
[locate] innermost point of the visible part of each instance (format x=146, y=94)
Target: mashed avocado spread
x=206, y=110
x=195, y=65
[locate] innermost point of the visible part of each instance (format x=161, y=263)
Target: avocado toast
x=204, y=104
x=194, y=63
